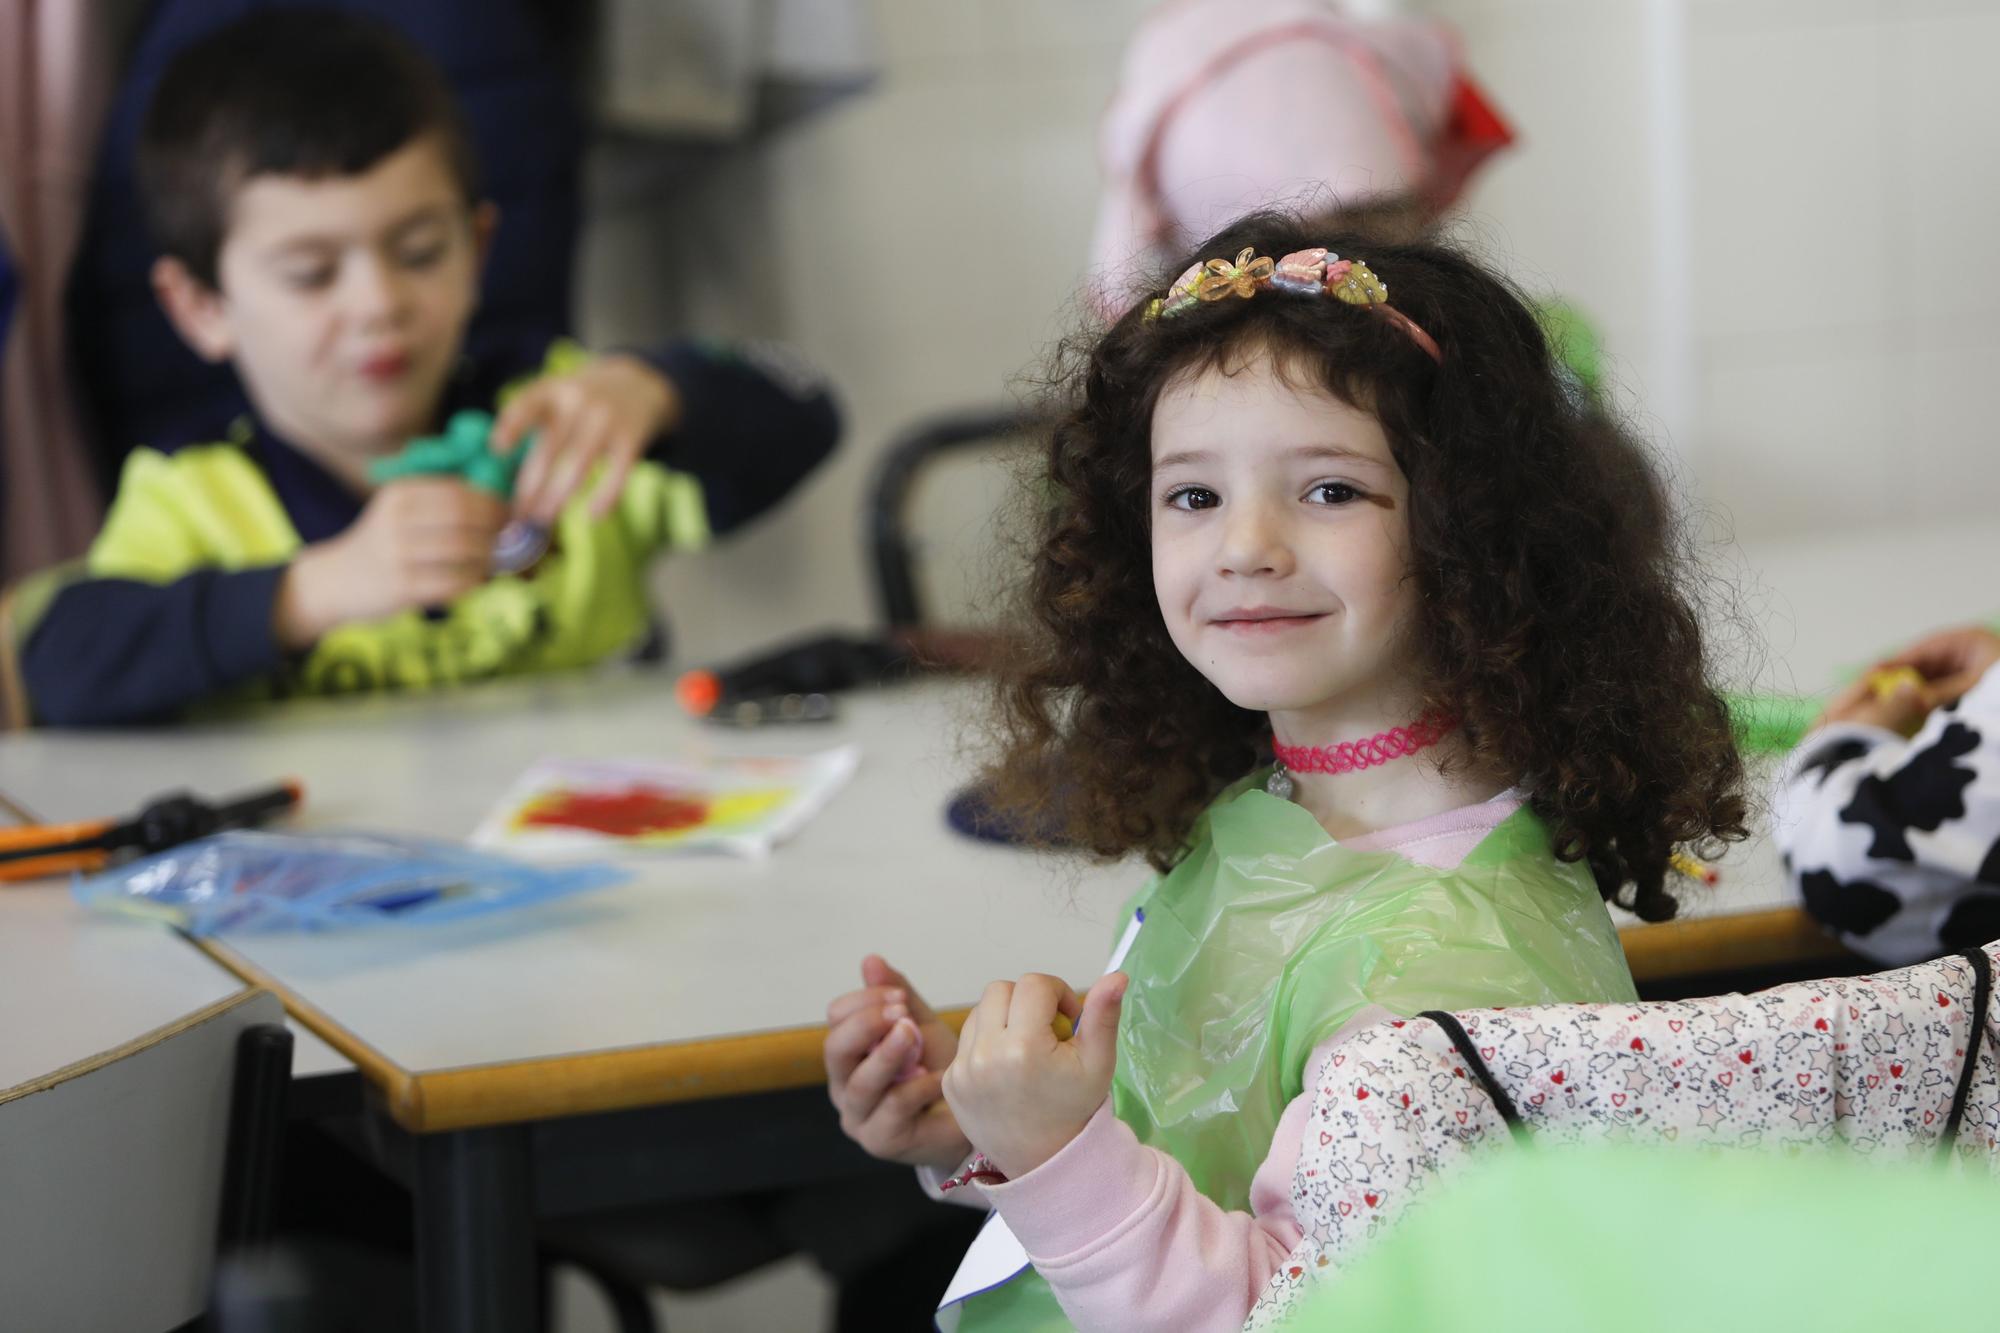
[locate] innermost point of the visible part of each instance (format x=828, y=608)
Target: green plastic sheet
x=1659, y=1241
x=1270, y=936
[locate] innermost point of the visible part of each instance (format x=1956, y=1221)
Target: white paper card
x=599, y=807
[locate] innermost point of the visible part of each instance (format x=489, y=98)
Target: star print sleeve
x=1895, y=845
x=1128, y=1243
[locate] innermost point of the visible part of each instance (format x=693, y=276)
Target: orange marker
x=698, y=692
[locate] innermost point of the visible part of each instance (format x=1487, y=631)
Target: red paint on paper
x=630, y=812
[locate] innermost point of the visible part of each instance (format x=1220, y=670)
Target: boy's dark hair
x=1556, y=617
x=292, y=92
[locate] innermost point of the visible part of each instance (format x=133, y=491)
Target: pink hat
x=1229, y=105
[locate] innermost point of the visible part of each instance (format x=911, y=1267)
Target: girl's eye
x=1334, y=493
x=422, y=256
x=309, y=279
x=1192, y=497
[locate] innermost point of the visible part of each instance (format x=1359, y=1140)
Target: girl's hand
x=1019, y=1091
x=607, y=412
x=885, y=1056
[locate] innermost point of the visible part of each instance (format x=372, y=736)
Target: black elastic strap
x=1470, y=1053
x=1982, y=995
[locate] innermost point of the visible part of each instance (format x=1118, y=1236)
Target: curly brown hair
x=1557, y=619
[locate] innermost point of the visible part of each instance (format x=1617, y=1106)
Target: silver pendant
x=1279, y=784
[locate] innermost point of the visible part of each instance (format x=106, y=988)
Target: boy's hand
x=424, y=541
x=605, y=413
x=885, y=1053
x=1019, y=1091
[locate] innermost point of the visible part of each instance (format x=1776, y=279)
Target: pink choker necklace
x=1352, y=756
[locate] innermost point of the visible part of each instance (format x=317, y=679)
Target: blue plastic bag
x=254, y=881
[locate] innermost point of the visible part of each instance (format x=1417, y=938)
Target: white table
x=700, y=977
x=1829, y=604
x=690, y=950
x=80, y=984
x=77, y=987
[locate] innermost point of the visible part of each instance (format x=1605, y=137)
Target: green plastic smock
x=1270, y=936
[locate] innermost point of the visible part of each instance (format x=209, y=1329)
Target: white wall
x=919, y=243
x=923, y=243
x=1844, y=172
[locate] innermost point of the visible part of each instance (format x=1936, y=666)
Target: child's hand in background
x=1020, y=1092
x=605, y=413
x=886, y=1052
x=1949, y=662
x=1902, y=710
x=424, y=541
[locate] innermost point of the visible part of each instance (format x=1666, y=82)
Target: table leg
x=474, y=1202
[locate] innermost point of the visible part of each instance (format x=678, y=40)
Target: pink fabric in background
x=56, y=59
x=1224, y=106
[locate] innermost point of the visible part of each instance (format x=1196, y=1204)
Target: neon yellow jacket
x=212, y=507
x=172, y=606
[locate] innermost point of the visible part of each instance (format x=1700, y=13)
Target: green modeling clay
x=460, y=452
x=1771, y=723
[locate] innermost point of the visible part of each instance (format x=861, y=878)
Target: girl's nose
x=1254, y=542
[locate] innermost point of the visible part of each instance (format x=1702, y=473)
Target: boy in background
x=314, y=197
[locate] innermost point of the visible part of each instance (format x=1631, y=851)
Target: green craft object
x=1771, y=723
x=460, y=452
x=1735, y=1241
x=1574, y=340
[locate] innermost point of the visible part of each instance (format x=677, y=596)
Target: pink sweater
x=1119, y=1230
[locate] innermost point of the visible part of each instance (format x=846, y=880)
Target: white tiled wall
x=924, y=243
x=921, y=243
x=1847, y=152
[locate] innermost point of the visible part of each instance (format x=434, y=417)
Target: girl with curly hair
x=1356, y=619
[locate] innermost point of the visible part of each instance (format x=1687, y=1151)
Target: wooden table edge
x=90, y=1064
x=514, y=1091
x=511, y=1092
x=1770, y=937
x=396, y=1084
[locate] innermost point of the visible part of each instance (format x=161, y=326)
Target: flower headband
x=1305, y=272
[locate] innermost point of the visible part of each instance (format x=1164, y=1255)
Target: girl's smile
x=1265, y=620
